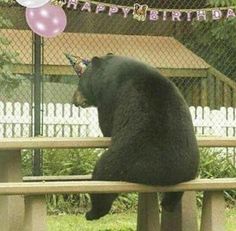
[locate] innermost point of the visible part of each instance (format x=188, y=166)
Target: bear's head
x=90, y=81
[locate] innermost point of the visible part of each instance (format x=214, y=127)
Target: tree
x=8, y=80
x=214, y=41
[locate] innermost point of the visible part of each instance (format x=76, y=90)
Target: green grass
x=114, y=222
x=231, y=220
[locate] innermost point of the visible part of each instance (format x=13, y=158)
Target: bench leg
x=213, y=210
x=11, y=207
x=184, y=218
x=148, y=212
x=35, y=213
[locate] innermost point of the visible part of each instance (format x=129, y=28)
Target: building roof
x=159, y=51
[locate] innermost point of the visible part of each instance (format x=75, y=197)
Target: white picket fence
x=208, y=122
x=68, y=121
x=58, y=120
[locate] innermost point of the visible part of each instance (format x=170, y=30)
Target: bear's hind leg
x=171, y=200
x=101, y=205
x=107, y=169
x=148, y=172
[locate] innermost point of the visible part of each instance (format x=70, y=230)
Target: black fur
x=153, y=140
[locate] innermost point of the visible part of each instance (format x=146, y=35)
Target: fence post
x=37, y=100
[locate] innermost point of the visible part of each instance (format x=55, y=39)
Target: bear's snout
x=78, y=99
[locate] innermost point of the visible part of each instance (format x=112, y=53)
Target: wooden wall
x=215, y=90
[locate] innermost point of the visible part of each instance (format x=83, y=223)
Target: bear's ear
x=96, y=61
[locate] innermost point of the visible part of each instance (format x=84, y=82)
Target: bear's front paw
x=94, y=214
x=91, y=216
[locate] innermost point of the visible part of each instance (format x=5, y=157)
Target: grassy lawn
x=115, y=222
x=231, y=220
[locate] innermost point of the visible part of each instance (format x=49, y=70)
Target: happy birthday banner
x=48, y=19
x=143, y=12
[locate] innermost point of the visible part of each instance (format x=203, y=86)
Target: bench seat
x=148, y=208
x=99, y=142
x=31, y=188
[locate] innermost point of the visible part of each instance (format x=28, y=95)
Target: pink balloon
x=46, y=21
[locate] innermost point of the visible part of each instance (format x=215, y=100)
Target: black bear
x=153, y=140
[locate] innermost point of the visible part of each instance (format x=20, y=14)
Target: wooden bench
x=148, y=211
x=13, y=211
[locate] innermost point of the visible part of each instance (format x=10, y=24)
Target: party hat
x=77, y=63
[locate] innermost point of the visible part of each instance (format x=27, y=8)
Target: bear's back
x=153, y=116
x=158, y=90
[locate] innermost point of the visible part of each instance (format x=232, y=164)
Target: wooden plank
x=188, y=94
x=213, y=210
x=211, y=90
x=62, y=70
x=204, y=101
x=35, y=213
x=148, y=212
x=46, y=142
x=196, y=93
x=101, y=142
x=218, y=93
x=56, y=178
x=227, y=95
x=11, y=207
x=216, y=141
x=112, y=187
x=67, y=70
x=183, y=73
x=222, y=77
x=234, y=98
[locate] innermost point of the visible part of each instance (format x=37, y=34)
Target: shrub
x=65, y=162
x=217, y=163
x=8, y=80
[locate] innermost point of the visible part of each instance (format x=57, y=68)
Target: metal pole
x=37, y=101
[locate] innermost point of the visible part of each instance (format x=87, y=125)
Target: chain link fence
x=197, y=55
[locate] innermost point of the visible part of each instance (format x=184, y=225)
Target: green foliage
x=125, y=202
x=8, y=80
x=67, y=204
x=8, y=2
x=214, y=41
x=219, y=3
x=26, y=162
x=214, y=164
x=70, y=162
x=65, y=162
